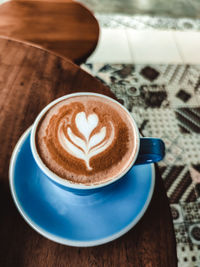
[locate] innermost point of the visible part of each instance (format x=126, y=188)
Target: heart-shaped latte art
x=91, y=145
x=86, y=125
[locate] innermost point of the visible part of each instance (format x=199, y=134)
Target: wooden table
x=29, y=79
x=65, y=27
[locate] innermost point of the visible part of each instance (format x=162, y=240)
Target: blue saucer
x=69, y=219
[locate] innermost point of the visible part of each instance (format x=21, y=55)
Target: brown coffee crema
x=86, y=139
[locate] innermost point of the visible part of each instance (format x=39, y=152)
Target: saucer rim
x=55, y=238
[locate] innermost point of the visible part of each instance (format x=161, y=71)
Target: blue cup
x=148, y=150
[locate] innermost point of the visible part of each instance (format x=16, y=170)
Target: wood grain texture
x=65, y=27
x=30, y=78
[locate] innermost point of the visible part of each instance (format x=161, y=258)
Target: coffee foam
x=92, y=144
x=86, y=139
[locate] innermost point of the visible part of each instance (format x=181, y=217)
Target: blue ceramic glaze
x=78, y=220
x=151, y=150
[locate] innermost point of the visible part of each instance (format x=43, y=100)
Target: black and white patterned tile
x=144, y=22
x=153, y=86
x=186, y=218
x=191, y=145
x=188, y=255
x=163, y=100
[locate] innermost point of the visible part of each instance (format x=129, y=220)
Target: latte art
x=92, y=144
x=86, y=139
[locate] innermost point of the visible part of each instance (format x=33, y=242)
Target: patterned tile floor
x=144, y=22
x=170, y=8
x=146, y=14
x=165, y=102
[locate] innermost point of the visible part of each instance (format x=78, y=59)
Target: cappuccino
x=87, y=139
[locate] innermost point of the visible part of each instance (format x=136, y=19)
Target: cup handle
x=151, y=150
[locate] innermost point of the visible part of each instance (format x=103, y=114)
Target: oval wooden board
x=65, y=27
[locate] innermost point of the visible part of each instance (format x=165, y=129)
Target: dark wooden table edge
x=158, y=176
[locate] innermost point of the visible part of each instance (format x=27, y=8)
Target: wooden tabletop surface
x=66, y=27
x=30, y=78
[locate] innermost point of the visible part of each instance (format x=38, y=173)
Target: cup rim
x=66, y=183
